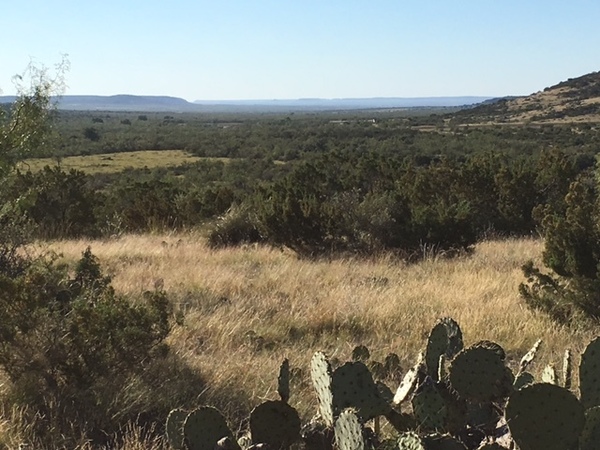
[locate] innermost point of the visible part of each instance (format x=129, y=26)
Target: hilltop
x=574, y=100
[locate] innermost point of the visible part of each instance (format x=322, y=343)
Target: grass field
x=116, y=162
x=248, y=308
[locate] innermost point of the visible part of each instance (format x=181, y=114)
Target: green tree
x=25, y=126
x=570, y=293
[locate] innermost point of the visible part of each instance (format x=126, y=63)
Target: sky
x=290, y=49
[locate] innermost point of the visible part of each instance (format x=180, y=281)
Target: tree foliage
x=570, y=293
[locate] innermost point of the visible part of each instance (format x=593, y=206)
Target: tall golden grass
x=245, y=309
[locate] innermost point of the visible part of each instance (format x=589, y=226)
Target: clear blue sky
x=285, y=49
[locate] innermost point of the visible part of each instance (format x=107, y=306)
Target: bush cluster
x=68, y=341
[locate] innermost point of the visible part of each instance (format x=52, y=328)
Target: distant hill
x=350, y=103
x=574, y=100
x=174, y=104
x=118, y=103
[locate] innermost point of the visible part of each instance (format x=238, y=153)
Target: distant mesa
x=173, y=104
x=576, y=99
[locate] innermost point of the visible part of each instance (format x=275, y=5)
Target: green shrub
x=237, y=226
x=68, y=344
x=571, y=292
x=60, y=204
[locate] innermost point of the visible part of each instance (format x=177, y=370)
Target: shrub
x=59, y=203
x=571, y=291
x=68, y=342
x=237, y=226
x=145, y=205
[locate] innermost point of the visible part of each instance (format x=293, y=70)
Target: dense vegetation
x=319, y=184
x=326, y=185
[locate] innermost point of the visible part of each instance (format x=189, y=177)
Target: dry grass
x=248, y=308
x=117, y=162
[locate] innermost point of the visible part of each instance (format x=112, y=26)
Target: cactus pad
x=352, y=386
x=529, y=356
x=410, y=441
x=445, y=339
x=479, y=374
x=320, y=374
x=522, y=380
x=492, y=346
x=348, y=431
x=491, y=446
x=283, y=381
x=590, y=436
x=274, y=423
x=567, y=372
x=391, y=366
x=549, y=374
x=409, y=382
x=429, y=407
x=544, y=416
x=204, y=427
x=442, y=442
x=588, y=375
x=174, y=428
x=360, y=353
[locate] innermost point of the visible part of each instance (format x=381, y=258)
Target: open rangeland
x=245, y=309
x=116, y=162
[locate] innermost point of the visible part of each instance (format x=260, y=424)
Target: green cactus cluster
x=453, y=398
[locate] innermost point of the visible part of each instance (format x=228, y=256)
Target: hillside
x=574, y=100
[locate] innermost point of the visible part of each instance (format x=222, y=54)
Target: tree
x=25, y=125
x=68, y=342
x=571, y=292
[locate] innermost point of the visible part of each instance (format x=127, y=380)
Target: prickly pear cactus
x=492, y=346
x=204, y=427
x=391, y=366
x=549, y=375
x=544, y=416
x=227, y=443
x=429, y=407
x=442, y=442
x=320, y=374
x=491, y=446
x=445, y=339
x=588, y=375
x=410, y=441
x=352, y=386
x=483, y=416
x=283, y=381
x=316, y=436
x=410, y=381
x=522, y=380
x=385, y=392
x=348, y=431
x=245, y=442
x=529, y=356
x=360, y=353
x=174, y=428
x=567, y=373
x=377, y=370
x=479, y=374
x=590, y=436
x=275, y=423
